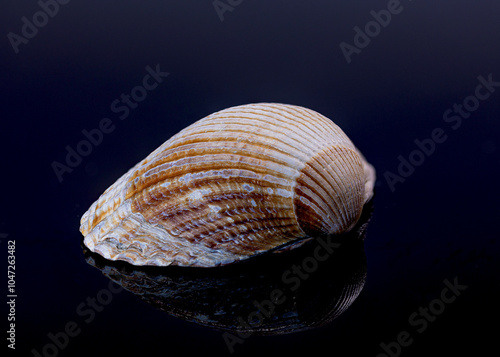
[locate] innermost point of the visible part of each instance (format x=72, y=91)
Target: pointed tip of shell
x=370, y=177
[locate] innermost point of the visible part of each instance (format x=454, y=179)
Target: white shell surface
x=236, y=183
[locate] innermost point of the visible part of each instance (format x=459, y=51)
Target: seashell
x=235, y=184
x=225, y=298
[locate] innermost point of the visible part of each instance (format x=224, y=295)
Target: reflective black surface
x=420, y=99
x=272, y=294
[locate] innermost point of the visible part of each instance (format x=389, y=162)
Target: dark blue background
x=441, y=223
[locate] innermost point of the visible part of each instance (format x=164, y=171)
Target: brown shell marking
x=238, y=182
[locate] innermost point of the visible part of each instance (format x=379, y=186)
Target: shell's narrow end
x=370, y=176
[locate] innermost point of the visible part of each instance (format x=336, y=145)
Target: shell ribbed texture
x=238, y=182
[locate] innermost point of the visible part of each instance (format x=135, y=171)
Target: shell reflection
x=271, y=294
